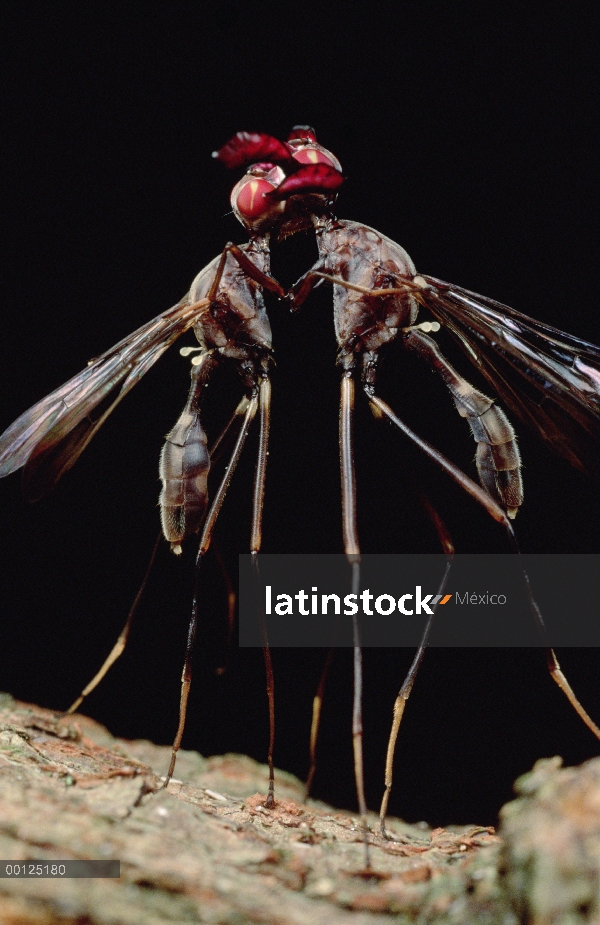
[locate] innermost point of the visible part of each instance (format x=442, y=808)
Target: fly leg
x=557, y=675
x=382, y=409
x=316, y=721
x=302, y=288
x=199, y=377
x=352, y=550
x=231, y=599
x=215, y=454
x=493, y=509
x=249, y=268
x=407, y=686
x=209, y=524
x=498, y=460
x=551, y=660
x=219, y=445
x=314, y=277
x=119, y=646
x=296, y=296
x=255, y=544
x=498, y=464
x=350, y=540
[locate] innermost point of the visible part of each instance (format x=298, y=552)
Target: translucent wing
x=550, y=379
x=51, y=436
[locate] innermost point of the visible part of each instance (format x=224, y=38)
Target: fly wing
x=550, y=379
x=56, y=430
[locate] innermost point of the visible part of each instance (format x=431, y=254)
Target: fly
x=225, y=309
x=549, y=379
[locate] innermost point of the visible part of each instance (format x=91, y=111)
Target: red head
x=281, y=198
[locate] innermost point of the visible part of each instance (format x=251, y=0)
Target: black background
x=469, y=135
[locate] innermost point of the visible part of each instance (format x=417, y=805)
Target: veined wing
x=57, y=429
x=549, y=378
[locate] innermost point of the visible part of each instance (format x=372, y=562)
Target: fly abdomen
x=497, y=458
x=184, y=466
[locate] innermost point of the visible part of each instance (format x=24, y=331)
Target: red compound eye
x=250, y=199
x=311, y=156
x=315, y=154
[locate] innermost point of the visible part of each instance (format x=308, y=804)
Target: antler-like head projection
x=292, y=180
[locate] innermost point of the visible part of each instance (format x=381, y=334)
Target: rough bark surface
x=206, y=850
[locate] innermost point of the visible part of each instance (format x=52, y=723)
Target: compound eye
x=249, y=198
x=250, y=201
x=315, y=154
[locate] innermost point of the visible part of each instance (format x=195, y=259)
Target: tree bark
x=206, y=850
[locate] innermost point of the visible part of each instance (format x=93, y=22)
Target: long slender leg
x=499, y=515
x=498, y=460
x=261, y=466
x=351, y=545
x=231, y=599
x=352, y=550
x=302, y=288
x=215, y=453
x=121, y=642
x=407, y=686
x=270, y=680
x=551, y=659
x=209, y=524
x=316, y=721
x=350, y=532
x=448, y=548
x=251, y=270
x=471, y=487
x=217, y=448
x=255, y=544
x=557, y=675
